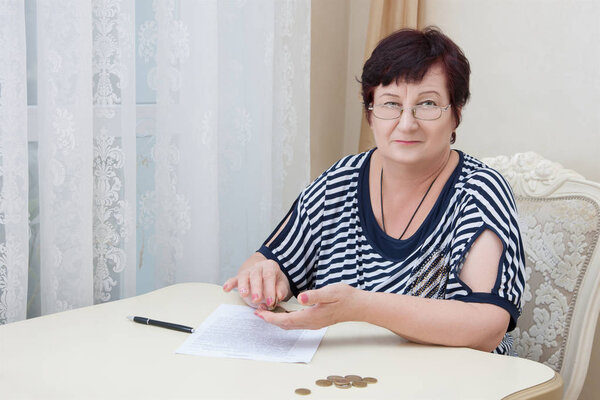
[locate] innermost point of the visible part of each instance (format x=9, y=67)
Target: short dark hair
x=407, y=55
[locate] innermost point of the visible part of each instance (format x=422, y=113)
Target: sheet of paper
x=234, y=331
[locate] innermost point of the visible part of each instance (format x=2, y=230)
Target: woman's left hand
x=330, y=305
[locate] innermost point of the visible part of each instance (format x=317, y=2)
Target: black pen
x=168, y=325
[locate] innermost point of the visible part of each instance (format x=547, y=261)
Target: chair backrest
x=559, y=216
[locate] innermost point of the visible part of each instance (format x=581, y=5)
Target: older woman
x=412, y=236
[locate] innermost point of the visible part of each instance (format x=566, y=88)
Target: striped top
x=332, y=236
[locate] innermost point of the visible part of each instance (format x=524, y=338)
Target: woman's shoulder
x=350, y=163
x=476, y=172
x=479, y=179
x=344, y=172
x=346, y=168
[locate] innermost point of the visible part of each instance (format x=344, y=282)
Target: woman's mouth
x=406, y=141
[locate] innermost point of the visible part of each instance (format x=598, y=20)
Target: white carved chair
x=559, y=215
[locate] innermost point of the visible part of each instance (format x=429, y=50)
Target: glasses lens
x=427, y=112
x=384, y=111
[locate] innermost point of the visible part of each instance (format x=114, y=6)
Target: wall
x=535, y=77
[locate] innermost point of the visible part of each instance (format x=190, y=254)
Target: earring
x=453, y=138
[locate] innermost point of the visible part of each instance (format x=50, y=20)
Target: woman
x=412, y=236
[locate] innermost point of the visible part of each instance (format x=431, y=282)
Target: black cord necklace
x=417, y=209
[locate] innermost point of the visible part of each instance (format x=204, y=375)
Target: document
x=234, y=331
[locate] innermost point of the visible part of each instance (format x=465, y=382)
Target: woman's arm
x=423, y=320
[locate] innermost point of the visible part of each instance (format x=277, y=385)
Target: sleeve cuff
x=489, y=298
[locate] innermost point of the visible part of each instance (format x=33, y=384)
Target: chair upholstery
x=559, y=216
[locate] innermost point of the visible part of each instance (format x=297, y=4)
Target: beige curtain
x=386, y=16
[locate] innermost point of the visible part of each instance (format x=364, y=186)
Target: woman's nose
x=407, y=121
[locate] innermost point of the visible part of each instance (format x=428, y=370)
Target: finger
x=323, y=295
x=243, y=284
x=269, y=281
x=230, y=284
x=310, y=297
x=256, y=284
x=282, y=287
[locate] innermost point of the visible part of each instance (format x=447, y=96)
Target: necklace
x=417, y=209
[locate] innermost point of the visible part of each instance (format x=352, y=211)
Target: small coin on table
x=343, y=386
x=302, y=391
x=341, y=381
x=323, y=382
x=353, y=378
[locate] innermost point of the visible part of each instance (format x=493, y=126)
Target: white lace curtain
x=103, y=197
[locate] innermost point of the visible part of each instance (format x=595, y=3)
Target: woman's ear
x=459, y=113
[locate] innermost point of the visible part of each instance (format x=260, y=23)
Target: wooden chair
x=559, y=215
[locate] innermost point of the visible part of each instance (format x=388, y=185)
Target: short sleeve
x=295, y=248
x=488, y=203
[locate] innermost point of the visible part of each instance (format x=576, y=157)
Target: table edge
x=549, y=390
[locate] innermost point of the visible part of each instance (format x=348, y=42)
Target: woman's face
x=407, y=140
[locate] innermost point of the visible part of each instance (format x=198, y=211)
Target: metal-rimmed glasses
x=424, y=112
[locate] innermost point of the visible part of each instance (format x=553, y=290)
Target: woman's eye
x=391, y=104
x=428, y=103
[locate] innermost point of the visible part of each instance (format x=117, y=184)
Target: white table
x=96, y=353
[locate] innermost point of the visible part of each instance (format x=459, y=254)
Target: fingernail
x=303, y=298
x=258, y=315
x=225, y=287
x=269, y=301
x=243, y=291
x=254, y=297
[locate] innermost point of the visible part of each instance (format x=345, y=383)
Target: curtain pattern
x=114, y=150
x=64, y=40
x=134, y=197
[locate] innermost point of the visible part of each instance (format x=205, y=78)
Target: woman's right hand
x=260, y=281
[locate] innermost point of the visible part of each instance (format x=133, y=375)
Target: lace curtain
x=162, y=142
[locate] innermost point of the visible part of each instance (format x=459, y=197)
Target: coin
x=341, y=381
x=323, y=382
x=279, y=309
x=353, y=378
x=370, y=380
x=344, y=386
x=359, y=384
x=302, y=391
x=334, y=377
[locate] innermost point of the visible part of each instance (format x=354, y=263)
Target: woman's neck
x=400, y=177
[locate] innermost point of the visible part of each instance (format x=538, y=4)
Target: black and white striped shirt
x=332, y=236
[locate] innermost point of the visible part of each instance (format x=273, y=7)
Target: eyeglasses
x=423, y=112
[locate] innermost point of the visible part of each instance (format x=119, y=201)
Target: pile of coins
x=340, y=382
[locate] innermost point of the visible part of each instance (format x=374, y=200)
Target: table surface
x=95, y=352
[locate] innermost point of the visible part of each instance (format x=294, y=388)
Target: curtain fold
x=14, y=235
x=114, y=149
x=385, y=17
x=134, y=197
x=64, y=43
